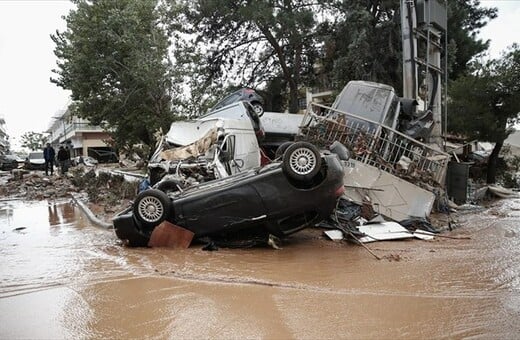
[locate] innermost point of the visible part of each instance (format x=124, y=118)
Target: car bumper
x=127, y=230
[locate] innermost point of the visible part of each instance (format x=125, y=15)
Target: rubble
x=350, y=221
x=36, y=186
x=105, y=195
x=391, y=181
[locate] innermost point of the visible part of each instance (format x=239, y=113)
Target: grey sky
x=27, y=98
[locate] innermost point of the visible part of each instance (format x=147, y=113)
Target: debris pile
x=396, y=154
x=361, y=224
x=106, y=193
x=36, y=186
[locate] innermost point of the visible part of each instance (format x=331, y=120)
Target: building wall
x=77, y=133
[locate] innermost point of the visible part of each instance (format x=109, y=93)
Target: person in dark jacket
x=48, y=155
x=63, y=159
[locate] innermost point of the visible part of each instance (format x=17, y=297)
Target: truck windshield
x=365, y=101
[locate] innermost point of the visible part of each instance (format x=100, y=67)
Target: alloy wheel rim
x=302, y=161
x=150, y=209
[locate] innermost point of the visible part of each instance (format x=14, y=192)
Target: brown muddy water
x=62, y=277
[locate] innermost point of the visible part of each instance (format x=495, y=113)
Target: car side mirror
x=340, y=150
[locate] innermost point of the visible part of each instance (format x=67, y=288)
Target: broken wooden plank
x=170, y=235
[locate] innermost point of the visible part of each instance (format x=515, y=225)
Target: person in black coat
x=63, y=159
x=48, y=155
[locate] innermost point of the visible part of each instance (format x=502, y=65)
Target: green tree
x=222, y=42
x=485, y=104
x=33, y=140
x=365, y=42
x=246, y=42
x=113, y=56
x=465, y=19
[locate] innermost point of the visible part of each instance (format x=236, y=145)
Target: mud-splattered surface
x=64, y=278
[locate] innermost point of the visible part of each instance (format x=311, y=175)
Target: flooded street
x=63, y=277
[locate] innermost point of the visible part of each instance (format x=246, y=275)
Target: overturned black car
x=278, y=199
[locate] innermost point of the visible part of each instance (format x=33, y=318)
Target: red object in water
x=170, y=235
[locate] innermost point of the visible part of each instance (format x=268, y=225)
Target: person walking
x=48, y=155
x=63, y=159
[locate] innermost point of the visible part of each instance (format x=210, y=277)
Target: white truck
x=216, y=145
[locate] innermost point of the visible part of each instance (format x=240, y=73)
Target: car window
x=364, y=101
x=229, y=144
x=36, y=155
x=227, y=149
x=230, y=99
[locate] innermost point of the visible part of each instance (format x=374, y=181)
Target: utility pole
x=423, y=23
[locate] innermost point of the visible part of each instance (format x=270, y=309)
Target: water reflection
x=60, y=213
x=6, y=212
x=53, y=214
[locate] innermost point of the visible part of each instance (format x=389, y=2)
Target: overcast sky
x=28, y=100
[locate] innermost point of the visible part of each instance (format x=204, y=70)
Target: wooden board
x=170, y=235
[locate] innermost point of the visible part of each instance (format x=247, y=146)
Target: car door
x=231, y=205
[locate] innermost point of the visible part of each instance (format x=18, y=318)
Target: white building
x=81, y=137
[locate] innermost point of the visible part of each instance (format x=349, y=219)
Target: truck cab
x=374, y=103
x=371, y=104
x=207, y=148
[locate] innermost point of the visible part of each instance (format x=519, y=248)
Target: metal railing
x=81, y=127
x=375, y=144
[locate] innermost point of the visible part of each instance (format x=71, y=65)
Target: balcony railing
x=375, y=144
x=81, y=127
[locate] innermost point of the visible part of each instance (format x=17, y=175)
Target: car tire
x=281, y=149
x=259, y=109
x=151, y=207
x=301, y=161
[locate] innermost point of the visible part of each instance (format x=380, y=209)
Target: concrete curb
x=90, y=215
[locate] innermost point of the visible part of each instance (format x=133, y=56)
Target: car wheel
x=281, y=149
x=259, y=109
x=151, y=207
x=301, y=161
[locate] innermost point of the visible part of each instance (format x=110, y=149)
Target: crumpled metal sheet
x=383, y=231
x=390, y=196
x=195, y=149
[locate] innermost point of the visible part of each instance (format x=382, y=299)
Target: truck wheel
x=301, y=161
x=151, y=207
x=281, y=149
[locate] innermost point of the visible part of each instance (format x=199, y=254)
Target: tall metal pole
x=408, y=22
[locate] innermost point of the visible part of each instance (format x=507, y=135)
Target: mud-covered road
x=62, y=277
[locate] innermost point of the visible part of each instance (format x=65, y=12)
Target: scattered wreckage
x=206, y=177
x=211, y=176
x=396, y=173
x=278, y=199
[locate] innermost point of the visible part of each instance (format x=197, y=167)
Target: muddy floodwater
x=62, y=277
